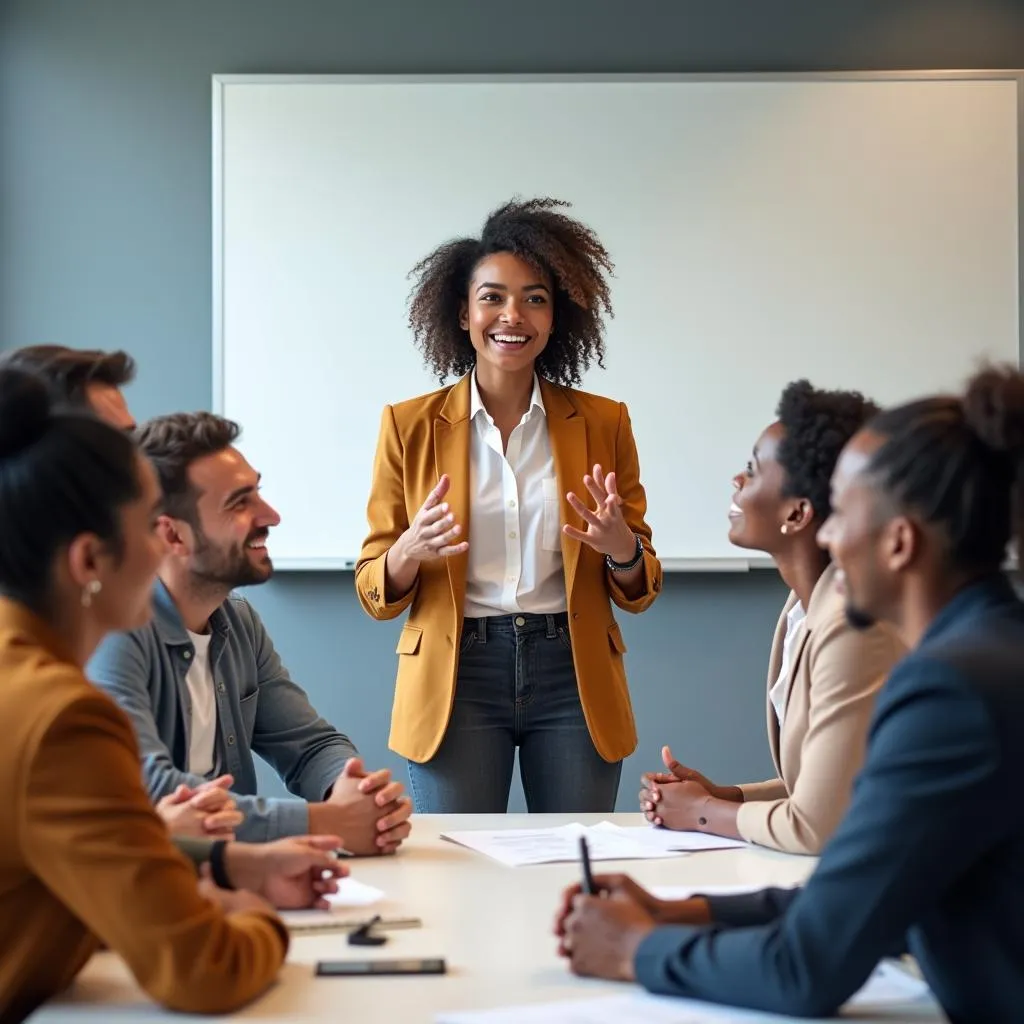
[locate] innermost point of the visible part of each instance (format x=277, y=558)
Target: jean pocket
x=564, y=638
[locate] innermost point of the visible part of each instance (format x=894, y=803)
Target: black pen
x=588, y=878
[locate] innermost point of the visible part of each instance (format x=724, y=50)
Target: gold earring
x=92, y=588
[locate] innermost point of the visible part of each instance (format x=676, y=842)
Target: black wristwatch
x=217, y=866
x=626, y=566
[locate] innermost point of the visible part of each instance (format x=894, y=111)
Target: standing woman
x=507, y=512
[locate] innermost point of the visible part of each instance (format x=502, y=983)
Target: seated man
x=202, y=682
x=930, y=855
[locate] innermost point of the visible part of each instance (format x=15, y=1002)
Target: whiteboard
x=862, y=231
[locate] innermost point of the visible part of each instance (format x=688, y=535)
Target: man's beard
x=231, y=568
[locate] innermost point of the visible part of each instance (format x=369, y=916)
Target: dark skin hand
x=689, y=807
x=684, y=800
x=600, y=935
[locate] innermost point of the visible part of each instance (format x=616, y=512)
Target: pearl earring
x=92, y=588
x=784, y=528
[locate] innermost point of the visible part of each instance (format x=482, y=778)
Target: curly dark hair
x=816, y=426
x=562, y=248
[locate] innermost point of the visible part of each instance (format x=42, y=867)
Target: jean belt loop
x=481, y=629
x=552, y=631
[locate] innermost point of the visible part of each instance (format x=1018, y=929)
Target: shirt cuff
x=287, y=818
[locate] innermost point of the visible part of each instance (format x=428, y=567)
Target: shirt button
x=220, y=687
x=231, y=740
x=512, y=535
x=512, y=503
x=186, y=655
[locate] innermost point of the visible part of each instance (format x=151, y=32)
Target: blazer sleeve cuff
x=652, y=585
x=778, y=825
x=373, y=591
x=653, y=960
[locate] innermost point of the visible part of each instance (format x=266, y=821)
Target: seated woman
x=823, y=674
x=86, y=859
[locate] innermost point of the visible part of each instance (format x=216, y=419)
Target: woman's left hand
x=607, y=531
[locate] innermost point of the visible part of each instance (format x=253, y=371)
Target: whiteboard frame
x=219, y=81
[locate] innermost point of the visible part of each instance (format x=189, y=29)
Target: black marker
x=588, y=878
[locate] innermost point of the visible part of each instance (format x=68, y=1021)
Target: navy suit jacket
x=929, y=858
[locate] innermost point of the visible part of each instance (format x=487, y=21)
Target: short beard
x=229, y=569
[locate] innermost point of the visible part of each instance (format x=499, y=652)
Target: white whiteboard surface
x=861, y=231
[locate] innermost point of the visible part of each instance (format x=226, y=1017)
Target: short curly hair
x=557, y=245
x=816, y=425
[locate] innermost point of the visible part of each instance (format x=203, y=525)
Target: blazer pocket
x=551, y=516
x=615, y=639
x=409, y=640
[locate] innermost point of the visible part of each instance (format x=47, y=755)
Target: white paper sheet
x=520, y=847
x=889, y=988
x=672, y=842
x=351, y=894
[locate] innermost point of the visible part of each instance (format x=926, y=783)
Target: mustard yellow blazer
x=425, y=437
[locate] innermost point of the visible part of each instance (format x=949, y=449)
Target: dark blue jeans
x=516, y=687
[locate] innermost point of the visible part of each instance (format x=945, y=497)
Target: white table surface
x=491, y=923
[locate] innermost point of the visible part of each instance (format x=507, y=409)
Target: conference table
x=491, y=923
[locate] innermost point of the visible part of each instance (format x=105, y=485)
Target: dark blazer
x=929, y=858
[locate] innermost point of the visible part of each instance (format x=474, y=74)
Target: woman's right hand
x=433, y=533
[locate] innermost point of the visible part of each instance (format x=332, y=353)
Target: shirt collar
x=476, y=404
x=167, y=619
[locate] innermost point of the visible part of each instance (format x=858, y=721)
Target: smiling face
x=232, y=521
x=508, y=313
x=759, y=510
x=857, y=538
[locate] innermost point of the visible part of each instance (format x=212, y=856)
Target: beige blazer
x=834, y=675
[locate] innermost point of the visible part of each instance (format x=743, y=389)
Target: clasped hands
x=678, y=797
x=434, y=533
x=368, y=808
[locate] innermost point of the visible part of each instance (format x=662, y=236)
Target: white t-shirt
x=203, y=722
x=780, y=690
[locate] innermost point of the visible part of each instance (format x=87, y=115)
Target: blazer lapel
x=451, y=456
x=567, y=432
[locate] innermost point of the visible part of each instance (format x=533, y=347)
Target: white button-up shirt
x=780, y=689
x=515, y=547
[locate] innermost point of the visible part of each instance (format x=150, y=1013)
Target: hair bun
x=994, y=408
x=24, y=411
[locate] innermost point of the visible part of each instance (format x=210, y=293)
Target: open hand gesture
x=433, y=532
x=606, y=530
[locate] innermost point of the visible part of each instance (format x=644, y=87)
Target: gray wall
x=105, y=242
